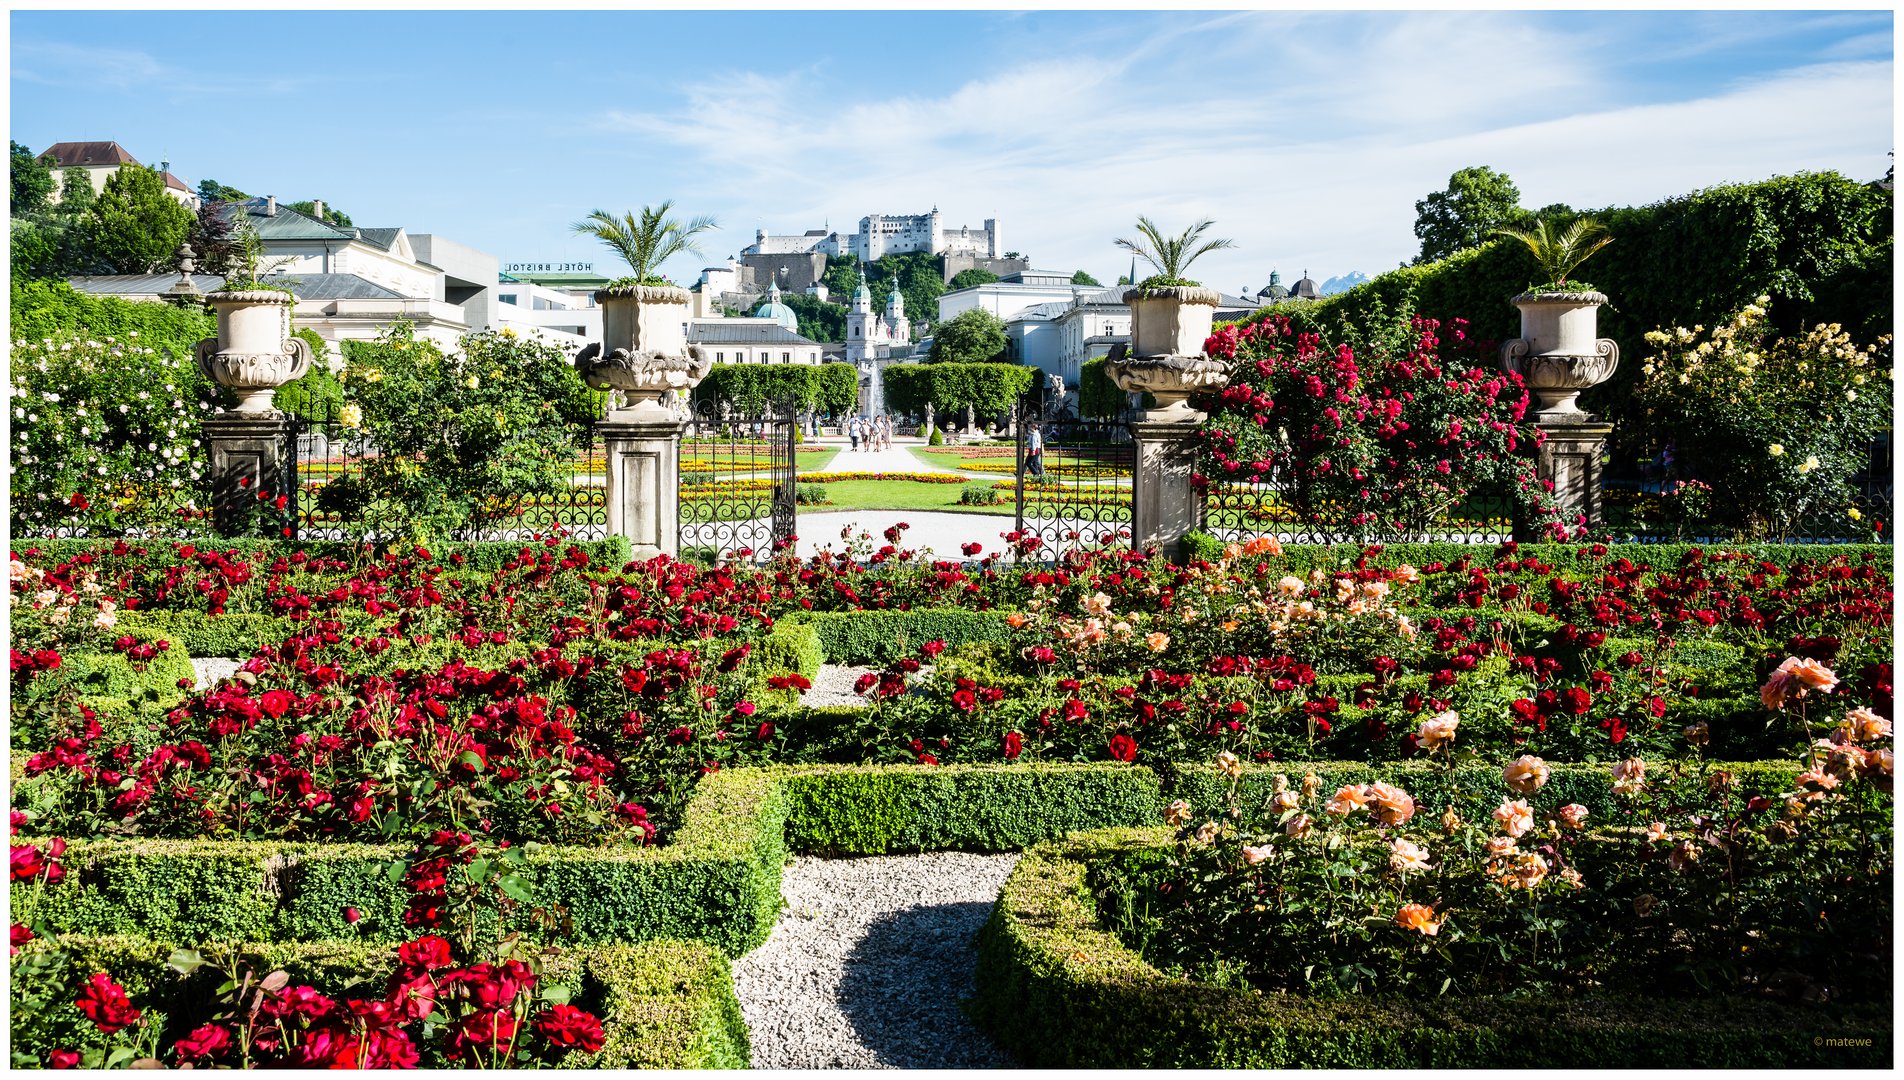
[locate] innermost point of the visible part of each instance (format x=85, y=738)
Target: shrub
x=812, y=495
x=937, y=438
x=1775, y=426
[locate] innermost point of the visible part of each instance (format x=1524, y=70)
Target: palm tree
x=1559, y=253
x=1171, y=255
x=647, y=242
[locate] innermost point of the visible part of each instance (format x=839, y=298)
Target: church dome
x=777, y=311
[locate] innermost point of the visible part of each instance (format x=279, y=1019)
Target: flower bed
x=1060, y=991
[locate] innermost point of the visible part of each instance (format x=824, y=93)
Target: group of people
x=870, y=433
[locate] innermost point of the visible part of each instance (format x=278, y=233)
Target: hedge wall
x=1059, y=992
x=829, y=388
x=1818, y=243
x=990, y=389
x=877, y=637
x=1300, y=558
x=43, y=309
x=663, y=1004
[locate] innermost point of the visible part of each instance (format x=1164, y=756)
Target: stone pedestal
x=1570, y=458
x=644, y=481
x=248, y=455
x=1164, y=506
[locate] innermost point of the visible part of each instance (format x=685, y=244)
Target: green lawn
x=897, y=495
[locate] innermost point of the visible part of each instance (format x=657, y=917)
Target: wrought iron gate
x=737, y=495
x=1073, y=481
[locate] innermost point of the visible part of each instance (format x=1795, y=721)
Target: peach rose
x=1500, y=847
x=1347, y=800
x=1254, y=855
x=1206, y=832
x=1407, y=857
x=1866, y=725
x=1407, y=574
x=1573, y=815
x=1450, y=820
x=1099, y=604
x=1229, y=765
x=1629, y=776
x=1778, y=689
x=1525, y=774
x=1698, y=733
x=1438, y=730
x=1526, y=872
x=1655, y=832
x=1017, y=619
x=1177, y=812
x=1263, y=545
x=1419, y=917
x=1231, y=551
x=1572, y=878
x=1812, y=674
x=1311, y=783
x=1285, y=800
x=1516, y=818
x=1393, y=806
x=1299, y=826
x=1290, y=586
x=1879, y=767
x=1684, y=854
x=1157, y=641
x=1814, y=784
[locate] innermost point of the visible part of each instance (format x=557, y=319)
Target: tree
x=1014, y=255
x=1477, y=201
x=920, y=276
x=1171, y=255
x=331, y=214
x=32, y=181
x=969, y=279
x=134, y=227
x=1082, y=278
x=970, y=337
x=76, y=193
x=213, y=191
x=645, y=243
x=213, y=238
x=820, y=320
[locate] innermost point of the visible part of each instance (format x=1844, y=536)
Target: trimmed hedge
x=1301, y=558
x=872, y=810
x=663, y=1004
x=718, y=882
x=1060, y=992
x=479, y=555
x=877, y=637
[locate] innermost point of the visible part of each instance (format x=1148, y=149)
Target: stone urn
x=644, y=351
x=1560, y=352
x=1165, y=358
x=254, y=352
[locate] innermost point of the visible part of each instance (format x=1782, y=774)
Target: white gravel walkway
x=870, y=962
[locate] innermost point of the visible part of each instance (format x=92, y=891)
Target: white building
x=101, y=160
x=1014, y=293
x=770, y=336
x=886, y=234
x=561, y=315
x=871, y=335
x=1058, y=337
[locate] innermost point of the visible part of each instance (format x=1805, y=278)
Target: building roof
x=382, y=238
x=302, y=286
x=286, y=224
x=69, y=154
x=175, y=183
x=742, y=332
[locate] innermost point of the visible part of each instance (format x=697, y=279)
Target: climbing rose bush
x=1372, y=445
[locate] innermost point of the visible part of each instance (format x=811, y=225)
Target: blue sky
x=1307, y=136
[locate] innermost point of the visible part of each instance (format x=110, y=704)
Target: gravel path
x=870, y=963
x=209, y=669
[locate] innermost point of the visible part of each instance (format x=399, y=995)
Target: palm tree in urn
x=647, y=241
x=1560, y=252
x=1171, y=255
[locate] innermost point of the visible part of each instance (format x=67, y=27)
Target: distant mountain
x=1342, y=284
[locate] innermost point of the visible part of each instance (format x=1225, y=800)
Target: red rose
x=63, y=1059
x=1123, y=748
x=765, y=732
x=203, y=1043
x=427, y=952
x=21, y=935
x=105, y=1003
x=933, y=648
x=567, y=1027
x=1014, y=745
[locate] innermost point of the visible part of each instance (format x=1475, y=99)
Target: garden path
x=870, y=962
x=895, y=459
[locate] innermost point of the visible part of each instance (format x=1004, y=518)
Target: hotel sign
x=548, y=268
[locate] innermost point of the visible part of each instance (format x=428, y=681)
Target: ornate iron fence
x=1074, y=482
x=332, y=496
x=1236, y=510
x=737, y=497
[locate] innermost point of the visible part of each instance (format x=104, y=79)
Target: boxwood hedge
x=663, y=1004
x=479, y=555
x=1060, y=992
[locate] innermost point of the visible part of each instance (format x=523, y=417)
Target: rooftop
x=742, y=332
x=70, y=154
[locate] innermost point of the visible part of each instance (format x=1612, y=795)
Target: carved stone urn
x=644, y=351
x=1560, y=352
x=254, y=352
x=1165, y=358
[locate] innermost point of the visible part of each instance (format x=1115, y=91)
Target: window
x=507, y=298
x=785, y=356
x=720, y=357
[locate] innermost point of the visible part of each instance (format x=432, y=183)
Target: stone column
x=1570, y=458
x=247, y=456
x=1164, y=507
x=644, y=483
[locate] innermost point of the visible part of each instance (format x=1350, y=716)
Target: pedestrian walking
x=852, y=431
x=1035, y=451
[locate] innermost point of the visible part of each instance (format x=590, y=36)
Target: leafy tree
x=1014, y=255
x=1476, y=202
x=1082, y=278
x=1171, y=255
x=840, y=277
x=970, y=337
x=331, y=214
x=134, y=227
x=968, y=279
x=213, y=238
x=213, y=191
x=32, y=181
x=76, y=193
x=989, y=389
x=921, y=279
x=646, y=242
x=39, y=245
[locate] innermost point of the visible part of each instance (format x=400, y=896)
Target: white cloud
x=1308, y=138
